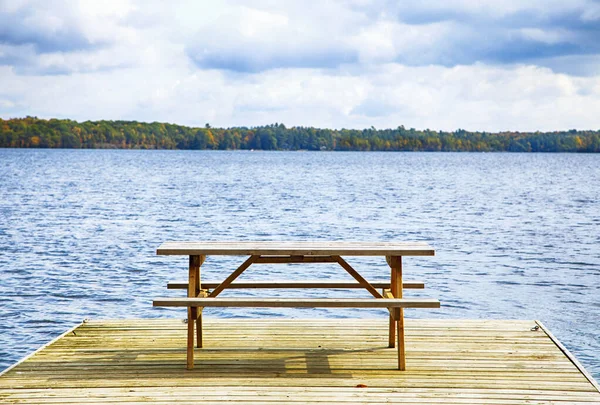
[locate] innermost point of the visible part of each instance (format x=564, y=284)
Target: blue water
x=516, y=235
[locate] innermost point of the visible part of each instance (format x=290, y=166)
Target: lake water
x=516, y=235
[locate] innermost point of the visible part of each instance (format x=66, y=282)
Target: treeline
x=32, y=132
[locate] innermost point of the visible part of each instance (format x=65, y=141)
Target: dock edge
x=39, y=349
x=569, y=355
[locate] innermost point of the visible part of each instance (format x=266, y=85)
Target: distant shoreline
x=288, y=150
x=32, y=132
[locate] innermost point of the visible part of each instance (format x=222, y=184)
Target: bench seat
x=299, y=302
x=183, y=285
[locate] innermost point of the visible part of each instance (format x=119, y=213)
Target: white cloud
x=7, y=104
x=478, y=97
x=245, y=39
x=547, y=36
x=438, y=65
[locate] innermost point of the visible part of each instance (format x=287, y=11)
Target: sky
x=495, y=65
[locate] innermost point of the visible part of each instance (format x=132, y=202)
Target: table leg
x=193, y=283
x=392, y=331
x=199, y=330
x=395, y=263
x=198, y=314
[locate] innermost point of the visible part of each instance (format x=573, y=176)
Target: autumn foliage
x=32, y=132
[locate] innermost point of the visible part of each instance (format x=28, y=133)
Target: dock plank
x=273, y=361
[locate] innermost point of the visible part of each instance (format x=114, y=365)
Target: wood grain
x=297, y=248
x=286, y=284
x=295, y=361
x=298, y=302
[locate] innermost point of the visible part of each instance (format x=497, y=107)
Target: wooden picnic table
x=198, y=295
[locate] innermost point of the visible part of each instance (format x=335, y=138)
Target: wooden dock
x=274, y=361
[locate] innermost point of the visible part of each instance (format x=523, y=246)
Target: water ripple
x=516, y=235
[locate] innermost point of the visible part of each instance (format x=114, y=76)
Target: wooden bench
x=199, y=294
x=298, y=302
x=183, y=285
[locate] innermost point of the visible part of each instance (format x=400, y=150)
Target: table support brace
x=357, y=276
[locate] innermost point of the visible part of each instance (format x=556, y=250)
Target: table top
x=293, y=248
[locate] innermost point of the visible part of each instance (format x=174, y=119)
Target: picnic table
x=201, y=295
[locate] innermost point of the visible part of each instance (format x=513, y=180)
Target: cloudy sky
x=441, y=64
